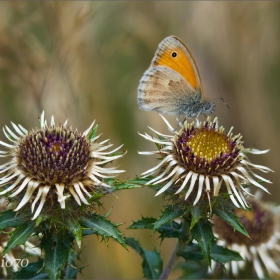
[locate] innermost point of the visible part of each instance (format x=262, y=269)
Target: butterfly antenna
x=222, y=101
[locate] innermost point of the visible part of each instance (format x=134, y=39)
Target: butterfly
x=172, y=84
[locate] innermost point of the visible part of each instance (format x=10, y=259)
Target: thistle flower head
x=262, y=249
x=202, y=157
x=54, y=163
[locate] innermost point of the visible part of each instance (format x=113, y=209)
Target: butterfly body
x=171, y=85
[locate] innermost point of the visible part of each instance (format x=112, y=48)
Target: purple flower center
x=54, y=155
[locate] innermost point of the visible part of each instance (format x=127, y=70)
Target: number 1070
x=18, y=262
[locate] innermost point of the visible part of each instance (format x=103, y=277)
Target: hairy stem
x=180, y=244
x=168, y=268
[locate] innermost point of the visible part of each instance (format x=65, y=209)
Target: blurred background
x=82, y=61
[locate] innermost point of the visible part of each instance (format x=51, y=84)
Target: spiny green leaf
x=93, y=132
x=108, y=213
x=77, y=231
x=232, y=219
x=203, y=234
x=193, y=270
x=171, y=230
x=9, y=219
x=32, y=271
x=168, y=215
x=117, y=185
x=133, y=243
x=191, y=252
x=41, y=218
x=71, y=270
x=88, y=232
x=152, y=262
x=147, y=223
x=160, y=146
x=19, y=235
x=168, y=230
x=224, y=255
x=140, y=181
x=56, y=246
x=196, y=215
x=143, y=182
x=103, y=227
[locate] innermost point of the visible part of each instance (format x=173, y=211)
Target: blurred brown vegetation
x=82, y=61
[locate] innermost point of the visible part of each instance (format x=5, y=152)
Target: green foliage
x=20, y=235
x=77, y=230
x=230, y=217
x=224, y=255
x=160, y=146
x=9, y=218
x=143, y=182
x=93, y=132
x=118, y=185
x=140, y=181
x=193, y=270
x=32, y=271
x=203, y=234
x=194, y=233
x=56, y=247
x=172, y=230
x=193, y=252
x=152, y=262
x=71, y=271
x=195, y=215
x=101, y=226
x=168, y=215
x=57, y=240
x=37, y=270
x=147, y=223
x=168, y=230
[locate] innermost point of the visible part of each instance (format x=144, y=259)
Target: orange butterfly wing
x=173, y=53
x=172, y=85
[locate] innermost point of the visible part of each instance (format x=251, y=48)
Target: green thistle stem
x=180, y=245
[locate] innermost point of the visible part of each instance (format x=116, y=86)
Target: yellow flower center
x=209, y=144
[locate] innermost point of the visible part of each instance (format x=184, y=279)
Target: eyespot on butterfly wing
x=174, y=54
